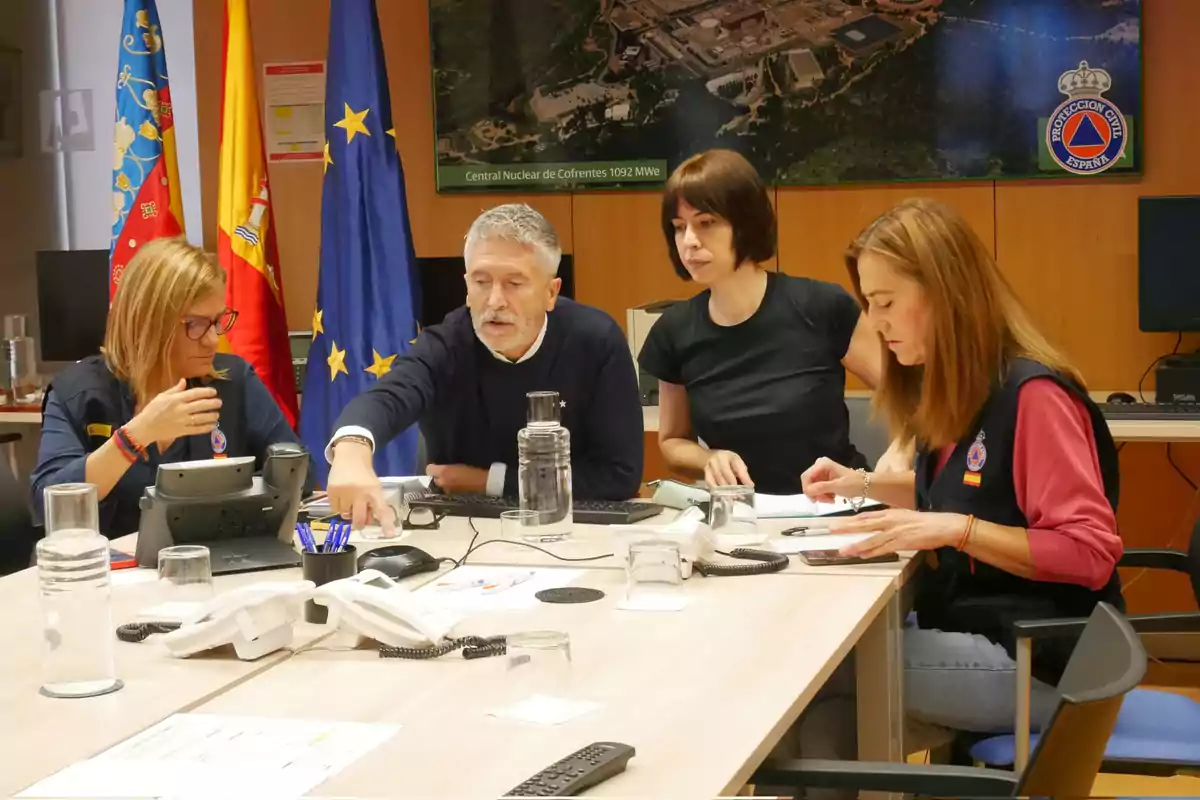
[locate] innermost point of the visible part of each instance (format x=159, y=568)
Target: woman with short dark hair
x=755, y=364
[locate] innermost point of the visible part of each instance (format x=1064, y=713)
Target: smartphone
x=831, y=558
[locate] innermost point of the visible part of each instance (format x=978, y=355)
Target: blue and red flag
x=146, y=200
x=367, y=289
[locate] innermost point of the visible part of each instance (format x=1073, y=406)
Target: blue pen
x=340, y=537
x=310, y=544
x=300, y=534
x=335, y=543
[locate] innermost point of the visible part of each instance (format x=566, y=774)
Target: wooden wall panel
x=816, y=225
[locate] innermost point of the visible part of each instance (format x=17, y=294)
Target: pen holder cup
x=322, y=568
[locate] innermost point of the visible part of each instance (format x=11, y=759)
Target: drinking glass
x=538, y=662
x=185, y=574
x=653, y=573
x=393, y=497
x=732, y=519
x=520, y=526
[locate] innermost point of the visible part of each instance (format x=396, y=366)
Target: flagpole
x=62, y=196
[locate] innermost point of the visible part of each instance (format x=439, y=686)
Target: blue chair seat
x=1153, y=726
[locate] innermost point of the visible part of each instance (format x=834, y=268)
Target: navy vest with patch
x=97, y=403
x=957, y=593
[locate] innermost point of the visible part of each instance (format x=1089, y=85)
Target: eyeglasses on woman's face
x=197, y=328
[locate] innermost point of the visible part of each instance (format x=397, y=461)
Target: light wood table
x=879, y=673
x=40, y=735
x=737, y=637
x=454, y=534
x=702, y=694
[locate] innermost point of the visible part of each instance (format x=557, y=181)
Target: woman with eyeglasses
x=159, y=392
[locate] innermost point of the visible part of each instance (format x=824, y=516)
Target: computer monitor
x=1169, y=263
x=443, y=287
x=72, y=292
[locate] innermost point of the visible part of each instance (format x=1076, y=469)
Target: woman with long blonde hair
x=158, y=392
x=1016, y=477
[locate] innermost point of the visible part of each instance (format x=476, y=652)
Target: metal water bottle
x=544, y=467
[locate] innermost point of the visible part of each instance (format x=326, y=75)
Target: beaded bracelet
x=124, y=449
x=133, y=445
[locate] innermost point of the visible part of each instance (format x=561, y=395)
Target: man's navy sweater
x=470, y=405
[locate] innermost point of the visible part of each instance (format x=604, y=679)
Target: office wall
x=29, y=220
x=1069, y=246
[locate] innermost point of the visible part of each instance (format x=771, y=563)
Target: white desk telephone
x=256, y=620
x=370, y=604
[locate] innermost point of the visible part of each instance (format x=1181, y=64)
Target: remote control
x=581, y=770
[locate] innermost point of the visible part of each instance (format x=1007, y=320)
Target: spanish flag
x=146, y=202
x=246, y=230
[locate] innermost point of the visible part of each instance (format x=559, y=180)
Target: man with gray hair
x=465, y=380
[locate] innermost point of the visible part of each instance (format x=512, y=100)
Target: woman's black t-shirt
x=771, y=388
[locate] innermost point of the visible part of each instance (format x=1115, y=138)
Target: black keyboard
x=585, y=512
x=1183, y=412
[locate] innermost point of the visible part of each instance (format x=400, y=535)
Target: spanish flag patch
x=971, y=478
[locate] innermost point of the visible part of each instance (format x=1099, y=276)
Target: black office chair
x=1108, y=662
x=1157, y=732
x=17, y=532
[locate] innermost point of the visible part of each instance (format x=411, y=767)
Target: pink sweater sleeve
x=1056, y=472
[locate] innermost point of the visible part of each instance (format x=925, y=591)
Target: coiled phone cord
x=766, y=562
x=472, y=647
x=140, y=631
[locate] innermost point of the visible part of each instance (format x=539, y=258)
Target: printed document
x=210, y=755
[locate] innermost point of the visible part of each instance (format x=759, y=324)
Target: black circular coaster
x=569, y=594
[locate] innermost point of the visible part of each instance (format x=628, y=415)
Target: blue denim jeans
x=963, y=682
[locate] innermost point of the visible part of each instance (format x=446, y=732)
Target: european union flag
x=367, y=293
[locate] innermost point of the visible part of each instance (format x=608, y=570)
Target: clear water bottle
x=73, y=577
x=544, y=467
x=21, y=354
